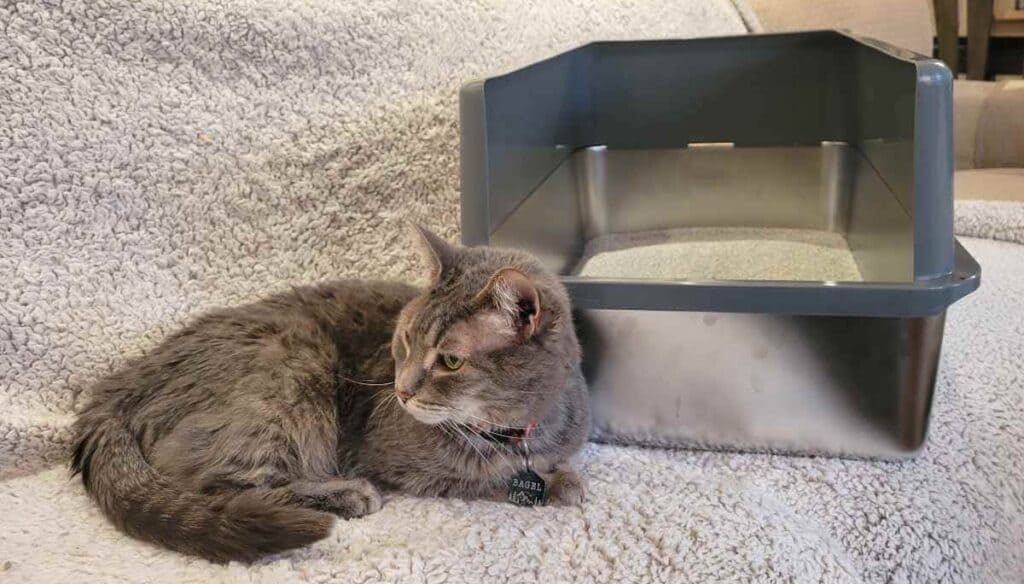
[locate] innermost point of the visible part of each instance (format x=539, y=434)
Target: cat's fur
x=246, y=432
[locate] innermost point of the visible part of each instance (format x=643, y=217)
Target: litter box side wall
x=840, y=386
x=516, y=129
x=906, y=132
x=934, y=249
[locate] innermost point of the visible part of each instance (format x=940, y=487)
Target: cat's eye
x=452, y=362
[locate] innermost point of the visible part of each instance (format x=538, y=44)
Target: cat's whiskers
x=432, y=407
x=382, y=406
x=443, y=426
x=492, y=424
x=499, y=449
x=501, y=455
x=366, y=383
x=451, y=429
x=459, y=439
x=483, y=458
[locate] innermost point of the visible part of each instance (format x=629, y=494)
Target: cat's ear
x=516, y=298
x=437, y=253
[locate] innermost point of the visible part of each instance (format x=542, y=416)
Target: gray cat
x=246, y=432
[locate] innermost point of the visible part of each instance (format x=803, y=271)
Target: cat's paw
x=566, y=488
x=350, y=498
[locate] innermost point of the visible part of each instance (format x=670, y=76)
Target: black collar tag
x=526, y=489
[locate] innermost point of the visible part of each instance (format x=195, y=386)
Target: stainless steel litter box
x=818, y=130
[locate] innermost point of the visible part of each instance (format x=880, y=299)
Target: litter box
x=756, y=232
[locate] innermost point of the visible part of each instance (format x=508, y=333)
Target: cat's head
x=490, y=342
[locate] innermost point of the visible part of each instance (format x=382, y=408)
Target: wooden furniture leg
x=947, y=28
x=979, y=27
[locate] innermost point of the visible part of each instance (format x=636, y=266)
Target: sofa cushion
x=1000, y=133
x=968, y=101
x=993, y=184
x=904, y=23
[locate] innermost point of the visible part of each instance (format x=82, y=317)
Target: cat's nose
x=407, y=383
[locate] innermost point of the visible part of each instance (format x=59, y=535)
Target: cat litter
x=721, y=254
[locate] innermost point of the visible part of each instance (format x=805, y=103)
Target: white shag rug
x=158, y=158
x=955, y=514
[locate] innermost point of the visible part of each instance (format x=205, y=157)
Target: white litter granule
x=721, y=253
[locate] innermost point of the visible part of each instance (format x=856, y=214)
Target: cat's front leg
x=565, y=487
x=346, y=498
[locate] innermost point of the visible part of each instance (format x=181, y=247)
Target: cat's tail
x=240, y=525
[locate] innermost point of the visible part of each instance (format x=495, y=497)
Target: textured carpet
x=1002, y=220
x=721, y=253
x=955, y=514
x=158, y=158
